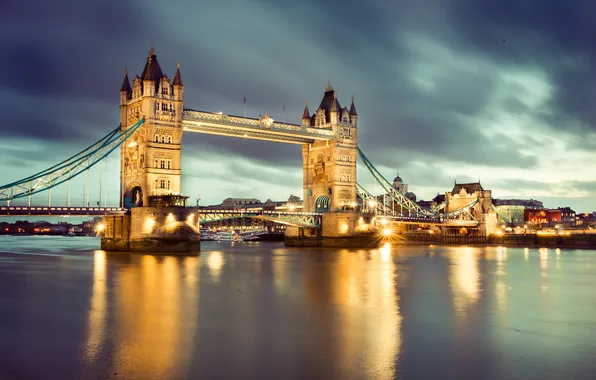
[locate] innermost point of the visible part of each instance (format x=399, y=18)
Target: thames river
x=262, y=311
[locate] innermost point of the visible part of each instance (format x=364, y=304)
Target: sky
x=446, y=90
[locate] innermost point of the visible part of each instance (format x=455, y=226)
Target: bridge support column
x=167, y=230
x=338, y=229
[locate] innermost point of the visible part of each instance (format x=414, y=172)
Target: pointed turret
x=353, y=108
x=178, y=86
x=178, y=78
x=125, y=83
x=353, y=114
x=125, y=90
x=306, y=115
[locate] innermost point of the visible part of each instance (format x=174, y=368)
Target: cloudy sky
x=501, y=90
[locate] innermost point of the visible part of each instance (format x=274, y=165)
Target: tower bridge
x=153, y=119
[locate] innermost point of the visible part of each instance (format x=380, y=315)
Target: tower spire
x=177, y=77
x=126, y=83
x=306, y=113
x=353, y=108
x=329, y=86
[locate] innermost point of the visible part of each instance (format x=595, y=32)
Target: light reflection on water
x=264, y=311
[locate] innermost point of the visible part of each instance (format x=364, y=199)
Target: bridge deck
x=257, y=129
x=59, y=211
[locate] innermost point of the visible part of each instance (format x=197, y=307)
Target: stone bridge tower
x=329, y=167
x=150, y=159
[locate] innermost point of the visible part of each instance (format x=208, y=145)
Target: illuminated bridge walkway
x=60, y=211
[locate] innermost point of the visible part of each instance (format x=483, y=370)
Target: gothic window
x=162, y=164
x=171, y=108
x=165, y=89
x=168, y=184
x=156, y=138
x=156, y=184
x=163, y=139
x=156, y=162
x=169, y=139
x=162, y=183
x=169, y=164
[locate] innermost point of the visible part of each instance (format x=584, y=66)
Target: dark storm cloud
x=556, y=35
x=424, y=73
x=65, y=52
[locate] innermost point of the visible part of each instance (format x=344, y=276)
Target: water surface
x=262, y=311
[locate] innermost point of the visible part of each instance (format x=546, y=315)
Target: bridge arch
x=323, y=204
x=133, y=196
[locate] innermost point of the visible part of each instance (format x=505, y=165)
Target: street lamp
x=198, y=199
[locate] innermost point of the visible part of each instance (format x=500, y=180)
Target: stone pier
x=164, y=230
x=347, y=229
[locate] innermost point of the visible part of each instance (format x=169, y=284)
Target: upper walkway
x=258, y=129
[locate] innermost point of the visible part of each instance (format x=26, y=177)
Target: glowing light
x=100, y=227
x=292, y=207
x=190, y=218
x=170, y=218
x=384, y=222
x=372, y=203
x=344, y=228
x=387, y=231
x=132, y=144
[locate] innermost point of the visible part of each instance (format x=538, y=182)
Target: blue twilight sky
x=501, y=90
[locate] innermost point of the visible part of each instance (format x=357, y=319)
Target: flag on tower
x=245, y=100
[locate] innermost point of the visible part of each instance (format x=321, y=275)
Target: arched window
x=169, y=139
x=168, y=184
x=169, y=166
x=163, y=139
x=156, y=163
x=156, y=138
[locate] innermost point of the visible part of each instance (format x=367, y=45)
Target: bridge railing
x=57, y=210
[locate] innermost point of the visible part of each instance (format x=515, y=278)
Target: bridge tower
x=150, y=159
x=329, y=167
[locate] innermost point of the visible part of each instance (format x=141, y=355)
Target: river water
x=262, y=311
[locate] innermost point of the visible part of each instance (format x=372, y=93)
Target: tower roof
x=152, y=70
x=177, y=77
x=353, y=108
x=471, y=188
x=329, y=101
x=126, y=83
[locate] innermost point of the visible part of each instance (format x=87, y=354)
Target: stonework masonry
x=168, y=230
x=329, y=167
x=150, y=159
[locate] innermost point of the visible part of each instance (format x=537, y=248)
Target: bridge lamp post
x=198, y=199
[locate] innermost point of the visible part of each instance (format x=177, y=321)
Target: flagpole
x=284, y=113
x=245, y=107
